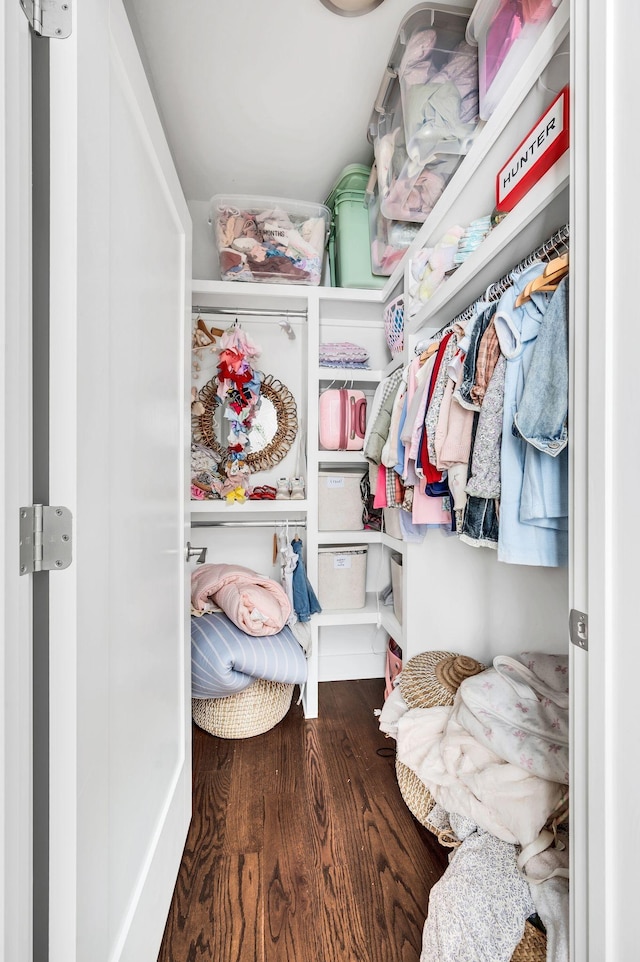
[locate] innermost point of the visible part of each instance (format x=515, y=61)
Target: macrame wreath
x=239, y=393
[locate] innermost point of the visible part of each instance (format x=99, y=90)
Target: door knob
x=200, y=554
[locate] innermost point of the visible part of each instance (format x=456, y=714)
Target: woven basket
x=532, y=947
x=251, y=712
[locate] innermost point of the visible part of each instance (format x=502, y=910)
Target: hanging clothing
x=304, y=597
x=533, y=531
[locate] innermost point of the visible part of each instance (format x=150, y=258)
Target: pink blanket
x=253, y=602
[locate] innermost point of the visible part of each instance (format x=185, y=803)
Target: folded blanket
x=225, y=660
x=253, y=602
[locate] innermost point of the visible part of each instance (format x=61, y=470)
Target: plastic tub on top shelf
x=349, y=252
x=505, y=31
x=269, y=239
x=389, y=238
x=426, y=112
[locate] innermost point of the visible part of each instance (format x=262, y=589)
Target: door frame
x=16, y=844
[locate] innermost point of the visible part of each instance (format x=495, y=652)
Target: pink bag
x=343, y=419
x=393, y=666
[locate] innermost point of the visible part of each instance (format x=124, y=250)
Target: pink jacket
x=253, y=602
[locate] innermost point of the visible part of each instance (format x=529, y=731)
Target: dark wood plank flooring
x=300, y=847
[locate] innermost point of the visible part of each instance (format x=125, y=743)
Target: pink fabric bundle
x=253, y=602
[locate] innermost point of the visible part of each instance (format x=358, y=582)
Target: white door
x=15, y=484
x=119, y=437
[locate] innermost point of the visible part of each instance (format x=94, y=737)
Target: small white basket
x=340, y=501
x=342, y=576
x=394, y=324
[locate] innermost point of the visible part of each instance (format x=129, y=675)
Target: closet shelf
x=371, y=614
x=237, y=291
x=349, y=537
x=342, y=457
x=395, y=543
x=222, y=510
x=349, y=374
x=391, y=624
x=539, y=213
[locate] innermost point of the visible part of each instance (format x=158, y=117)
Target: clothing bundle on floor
x=495, y=763
x=472, y=435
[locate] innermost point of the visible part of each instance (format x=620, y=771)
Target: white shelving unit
x=453, y=597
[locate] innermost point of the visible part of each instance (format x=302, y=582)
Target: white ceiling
x=268, y=97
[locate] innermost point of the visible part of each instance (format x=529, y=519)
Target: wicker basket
x=432, y=678
x=532, y=947
x=251, y=712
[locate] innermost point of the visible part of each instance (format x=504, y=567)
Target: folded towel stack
x=343, y=354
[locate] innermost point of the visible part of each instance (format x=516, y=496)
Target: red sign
x=545, y=143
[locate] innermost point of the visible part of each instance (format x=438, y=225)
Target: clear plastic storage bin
x=389, y=238
x=426, y=111
x=342, y=576
x=269, y=239
x=504, y=31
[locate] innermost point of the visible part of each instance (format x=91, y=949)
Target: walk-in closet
x=333, y=657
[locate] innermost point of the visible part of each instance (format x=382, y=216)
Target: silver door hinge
x=579, y=629
x=45, y=538
x=49, y=18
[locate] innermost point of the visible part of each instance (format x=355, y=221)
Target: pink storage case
x=343, y=418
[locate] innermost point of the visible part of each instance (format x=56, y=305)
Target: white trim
x=16, y=880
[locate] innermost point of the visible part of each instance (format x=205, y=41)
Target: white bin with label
x=342, y=576
x=340, y=501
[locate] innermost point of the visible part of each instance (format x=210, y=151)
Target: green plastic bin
x=349, y=241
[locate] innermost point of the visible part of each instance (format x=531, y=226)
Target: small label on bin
x=342, y=561
x=335, y=482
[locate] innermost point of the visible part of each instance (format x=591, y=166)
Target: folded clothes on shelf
x=343, y=354
x=473, y=236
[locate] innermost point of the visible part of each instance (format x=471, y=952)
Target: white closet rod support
x=249, y=524
x=248, y=312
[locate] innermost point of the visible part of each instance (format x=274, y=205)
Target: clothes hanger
x=426, y=354
x=551, y=276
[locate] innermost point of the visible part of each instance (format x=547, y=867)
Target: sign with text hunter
x=545, y=143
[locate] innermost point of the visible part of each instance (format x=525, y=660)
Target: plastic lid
x=353, y=177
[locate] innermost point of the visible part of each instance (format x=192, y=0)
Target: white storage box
x=339, y=501
x=396, y=584
x=392, y=527
x=342, y=576
x=505, y=32
x=269, y=239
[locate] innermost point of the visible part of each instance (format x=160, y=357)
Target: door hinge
x=45, y=538
x=49, y=18
x=579, y=629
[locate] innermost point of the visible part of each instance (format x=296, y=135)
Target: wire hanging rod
x=294, y=522
x=247, y=311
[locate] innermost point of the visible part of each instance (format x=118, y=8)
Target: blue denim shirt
x=534, y=489
x=305, y=602
x=541, y=418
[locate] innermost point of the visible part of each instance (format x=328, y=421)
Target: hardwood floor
x=300, y=847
